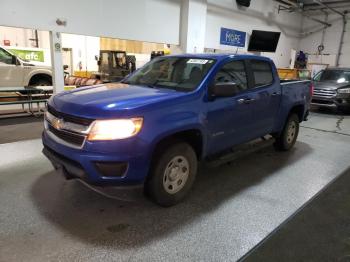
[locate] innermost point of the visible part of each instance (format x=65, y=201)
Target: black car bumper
x=339, y=101
x=69, y=168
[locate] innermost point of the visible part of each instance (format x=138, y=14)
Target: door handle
x=274, y=94
x=245, y=100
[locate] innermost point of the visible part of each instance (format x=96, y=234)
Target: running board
x=239, y=151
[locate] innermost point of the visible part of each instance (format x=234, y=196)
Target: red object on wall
x=7, y=42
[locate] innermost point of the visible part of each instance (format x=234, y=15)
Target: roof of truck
x=339, y=68
x=221, y=56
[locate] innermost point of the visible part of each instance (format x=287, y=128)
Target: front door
x=229, y=118
x=11, y=74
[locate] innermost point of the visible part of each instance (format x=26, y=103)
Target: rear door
x=266, y=94
x=229, y=119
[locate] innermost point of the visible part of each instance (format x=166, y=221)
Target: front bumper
x=81, y=163
x=338, y=101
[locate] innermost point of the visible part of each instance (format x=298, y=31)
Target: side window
x=262, y=72
x=233, y=72
x=5, y=57
x=104, y=59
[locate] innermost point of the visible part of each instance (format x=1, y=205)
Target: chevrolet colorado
x=153, y=126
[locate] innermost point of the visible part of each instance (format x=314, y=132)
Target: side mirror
x=225, y=89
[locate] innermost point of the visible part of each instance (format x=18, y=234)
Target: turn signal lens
x=344, y=91
x=115, y=129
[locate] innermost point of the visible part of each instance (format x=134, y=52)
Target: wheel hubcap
x=176, y=174
x=291, y=132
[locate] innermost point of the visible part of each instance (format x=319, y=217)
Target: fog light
x=112, y=169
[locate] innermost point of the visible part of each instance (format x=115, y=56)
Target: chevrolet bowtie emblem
x=57, y=123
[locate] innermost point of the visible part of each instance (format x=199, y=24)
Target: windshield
x=339, y=76
x=177, y=73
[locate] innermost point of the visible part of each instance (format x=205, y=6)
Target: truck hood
x=109, y=100
x=36, y=65
x=329, y=85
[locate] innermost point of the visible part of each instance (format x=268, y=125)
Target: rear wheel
x=172, y=174
x=289, y=134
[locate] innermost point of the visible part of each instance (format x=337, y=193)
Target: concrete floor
x=20, y=128
x=230, y=210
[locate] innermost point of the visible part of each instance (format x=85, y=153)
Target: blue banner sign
x=232, y=37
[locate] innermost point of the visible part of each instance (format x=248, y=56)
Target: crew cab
x=16, y=72
x=332, y=89
x=154, y=126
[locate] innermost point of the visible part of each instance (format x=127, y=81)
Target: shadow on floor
x=319, y=232
x=328, y=111
x=101, y=221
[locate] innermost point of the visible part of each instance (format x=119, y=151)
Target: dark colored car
x=332, y=89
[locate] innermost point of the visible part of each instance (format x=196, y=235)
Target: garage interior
x=251, y=204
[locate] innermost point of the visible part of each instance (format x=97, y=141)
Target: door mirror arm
x=15, y=60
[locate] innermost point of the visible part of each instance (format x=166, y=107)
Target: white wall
x=193, y=24
x=84, y=50
x=261, y=15
x=332, y=35
x=145, y=20
x=20, y=37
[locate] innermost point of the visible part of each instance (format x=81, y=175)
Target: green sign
x=31, y=55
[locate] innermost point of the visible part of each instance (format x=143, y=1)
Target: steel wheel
x=176, y=174
x=291, y=132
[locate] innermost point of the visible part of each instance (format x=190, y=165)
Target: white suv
x=15, y=72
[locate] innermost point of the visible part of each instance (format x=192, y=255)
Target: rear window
x=262, y=73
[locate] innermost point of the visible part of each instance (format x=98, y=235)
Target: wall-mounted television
x=263, y=41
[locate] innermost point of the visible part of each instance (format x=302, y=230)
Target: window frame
x=244, y=61
x=254, y=86
x=8, y=53
x=197, y=87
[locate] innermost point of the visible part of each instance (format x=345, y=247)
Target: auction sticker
x=197, y=61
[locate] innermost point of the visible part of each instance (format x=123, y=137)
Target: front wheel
x=289, y=134
x=172, y=174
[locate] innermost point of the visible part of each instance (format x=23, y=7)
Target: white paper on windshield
x=197, y=61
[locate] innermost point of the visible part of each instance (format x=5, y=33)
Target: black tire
x=41, y=82
x=344, y=110
x=287, y=138
x=155, y=186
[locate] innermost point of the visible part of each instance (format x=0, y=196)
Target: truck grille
x=324, y=93
x=67, y=136
x=70, y=118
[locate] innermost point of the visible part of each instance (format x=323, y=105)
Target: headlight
x=344, y=91
x=115, y=129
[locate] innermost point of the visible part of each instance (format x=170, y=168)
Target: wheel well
x=299, y=110
x=193, y=137
x=37, y=77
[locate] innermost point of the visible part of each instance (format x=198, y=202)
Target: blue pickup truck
x=154, y=126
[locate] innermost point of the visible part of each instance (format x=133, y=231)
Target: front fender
x=30, y=72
